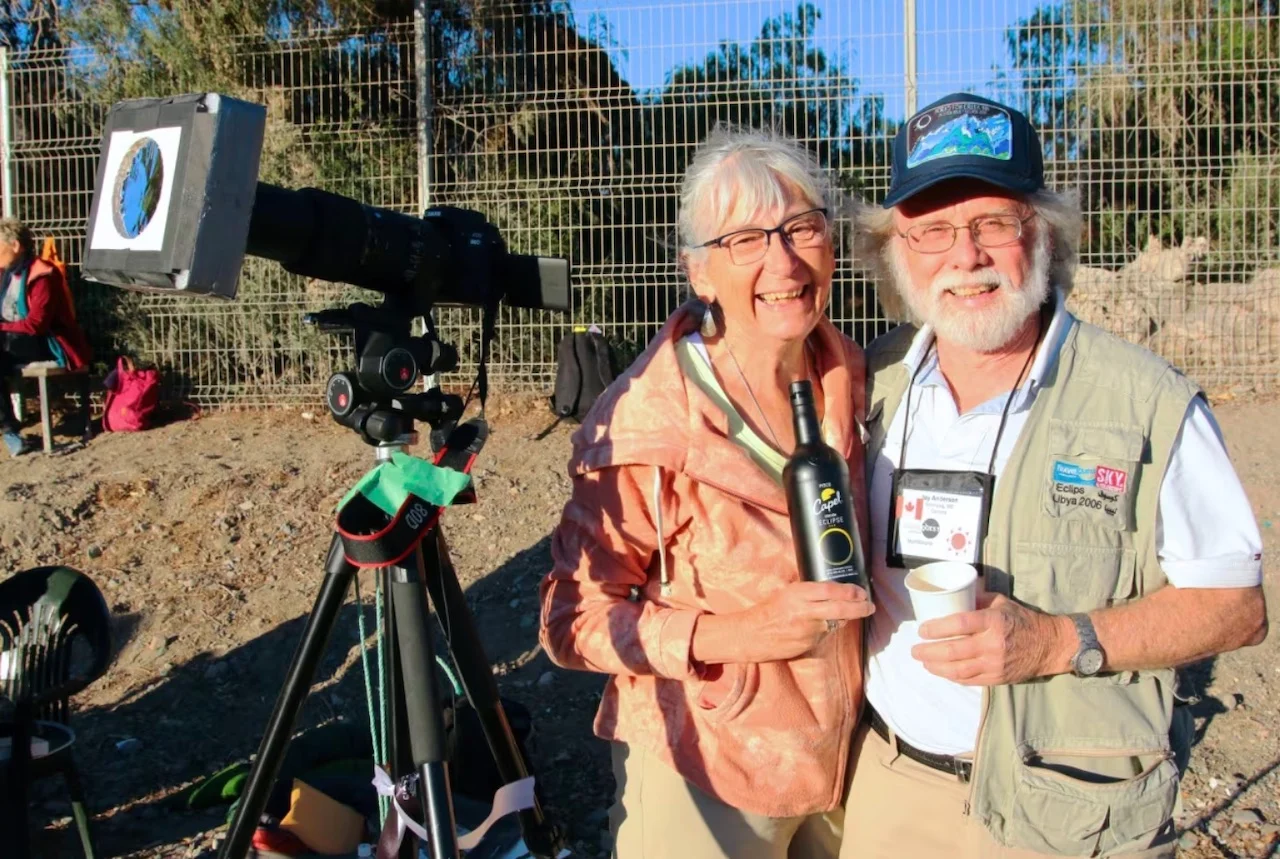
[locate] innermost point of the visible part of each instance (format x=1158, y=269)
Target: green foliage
x=531, y=123
x=1177, y=103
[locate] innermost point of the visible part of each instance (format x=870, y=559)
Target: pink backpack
x=132, y=396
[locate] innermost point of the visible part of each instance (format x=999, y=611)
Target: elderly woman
x=735, y=686
x=37, y=320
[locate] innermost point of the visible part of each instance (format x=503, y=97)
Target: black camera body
x=177, y=206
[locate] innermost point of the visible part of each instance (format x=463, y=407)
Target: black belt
x=961, y=768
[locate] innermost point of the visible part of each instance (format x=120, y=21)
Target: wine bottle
x=823, y=524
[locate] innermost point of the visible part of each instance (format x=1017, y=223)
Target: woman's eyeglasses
x=805, y=230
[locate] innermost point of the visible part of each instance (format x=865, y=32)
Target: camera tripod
x=417, y=735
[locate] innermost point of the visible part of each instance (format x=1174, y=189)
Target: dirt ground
x=207, y=536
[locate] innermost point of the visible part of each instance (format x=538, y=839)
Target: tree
x=783, y=81
x=1176, y=103
x=338, y=78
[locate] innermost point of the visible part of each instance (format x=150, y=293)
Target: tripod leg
x=400, y=761
x=422, y=705
x=297, y=684
x=476, y=676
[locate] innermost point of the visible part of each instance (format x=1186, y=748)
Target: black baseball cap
x=964, y=135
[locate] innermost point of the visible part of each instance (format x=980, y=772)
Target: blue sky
x=956, y=47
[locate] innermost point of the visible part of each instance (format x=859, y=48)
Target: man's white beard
x=980, y=330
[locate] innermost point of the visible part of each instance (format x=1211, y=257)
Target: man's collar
x=922, y=351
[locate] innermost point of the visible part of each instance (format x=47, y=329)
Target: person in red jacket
x=37, y=321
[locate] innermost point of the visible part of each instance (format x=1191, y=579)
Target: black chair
x=55, y=639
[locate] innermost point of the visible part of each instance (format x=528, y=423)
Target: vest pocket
x=1061, y=578
x=1061, y=805
x=1091, y=473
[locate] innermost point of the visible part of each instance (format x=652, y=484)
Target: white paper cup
x=942, y=588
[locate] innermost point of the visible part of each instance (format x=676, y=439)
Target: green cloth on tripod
x=391, y=483
x=219, y=788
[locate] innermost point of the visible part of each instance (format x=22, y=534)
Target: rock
x=1188, y=840
x=1269, y=829
x=548, y=678
x=129, y=746
x=246, y=505
x=95, y=552
x=1248, y=817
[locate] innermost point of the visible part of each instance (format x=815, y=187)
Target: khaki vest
x=1068, y=765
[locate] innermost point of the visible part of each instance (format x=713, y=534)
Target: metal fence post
x=911, y=82
x=6, y=138
x=422, y=66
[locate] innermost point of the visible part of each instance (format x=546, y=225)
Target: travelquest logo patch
x=1102, y=477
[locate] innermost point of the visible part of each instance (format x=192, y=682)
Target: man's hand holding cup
x=1002, y=642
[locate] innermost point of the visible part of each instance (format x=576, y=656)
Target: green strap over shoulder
x=699, y=372
x=390, y=484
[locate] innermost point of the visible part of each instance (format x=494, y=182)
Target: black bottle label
x=831, y=516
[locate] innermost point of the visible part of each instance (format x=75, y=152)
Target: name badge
x=938, y=516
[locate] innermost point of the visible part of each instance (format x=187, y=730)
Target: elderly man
x=1087, y=481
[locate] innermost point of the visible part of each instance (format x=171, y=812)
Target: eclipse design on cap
x=964, y=128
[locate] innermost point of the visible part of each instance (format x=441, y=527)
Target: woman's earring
x=709, y=328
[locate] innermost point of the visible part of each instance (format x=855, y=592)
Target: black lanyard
x=967, y=483
x=1004, y=414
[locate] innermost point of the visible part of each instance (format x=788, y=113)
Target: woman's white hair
x=1059, y=211
x=741, y=170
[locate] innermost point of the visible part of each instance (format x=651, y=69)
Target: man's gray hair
x=745, y=170
x=1059, y=211
x=13, y=230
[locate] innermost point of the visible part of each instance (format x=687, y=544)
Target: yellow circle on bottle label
x=843, y=543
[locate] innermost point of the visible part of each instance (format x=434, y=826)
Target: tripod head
x=374, y=399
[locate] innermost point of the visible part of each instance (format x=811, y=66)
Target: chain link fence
x=569, y=126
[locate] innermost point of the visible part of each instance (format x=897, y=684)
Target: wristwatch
x=1089, y=658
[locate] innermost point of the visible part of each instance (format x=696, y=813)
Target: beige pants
x=899, y=808
x=659, y=815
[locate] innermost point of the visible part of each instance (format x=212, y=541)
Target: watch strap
x=1088, y=638
x=1084, y=629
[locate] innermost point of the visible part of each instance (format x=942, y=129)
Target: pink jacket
x=769, y=738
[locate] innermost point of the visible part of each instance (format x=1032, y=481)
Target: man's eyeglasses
x=805, y=230
x=990, y=231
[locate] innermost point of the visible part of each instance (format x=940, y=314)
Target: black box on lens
x=174, y=194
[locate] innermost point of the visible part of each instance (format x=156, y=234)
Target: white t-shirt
x=9, y=298
x=1206, y=533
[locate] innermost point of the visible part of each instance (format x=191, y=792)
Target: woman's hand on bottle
x=790, y=623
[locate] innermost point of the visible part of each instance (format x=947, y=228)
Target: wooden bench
x=42, y=372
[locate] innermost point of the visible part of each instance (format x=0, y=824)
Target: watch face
x=1089, y=662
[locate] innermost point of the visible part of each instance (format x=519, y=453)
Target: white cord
x=662, y=539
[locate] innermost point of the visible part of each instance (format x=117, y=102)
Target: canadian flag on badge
x=1112, y=479
x=916, y=508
